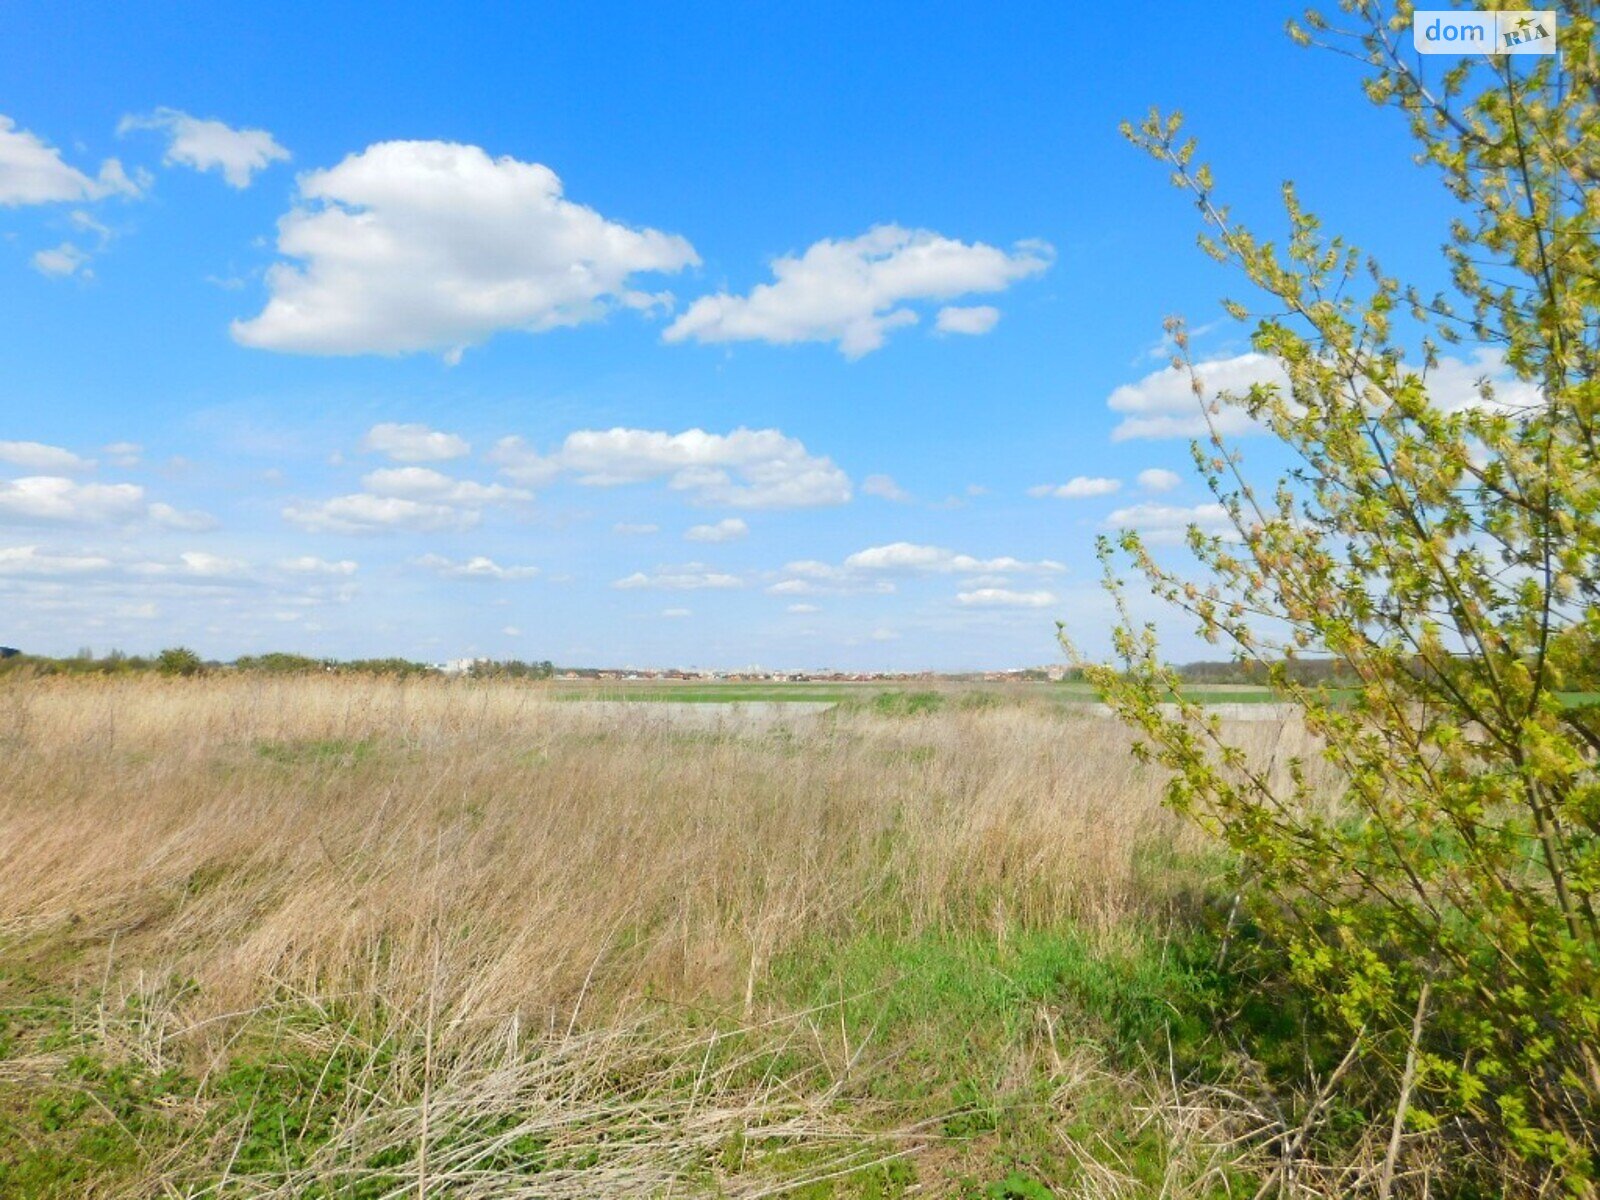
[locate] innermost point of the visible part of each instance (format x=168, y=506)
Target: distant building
x=458, y=666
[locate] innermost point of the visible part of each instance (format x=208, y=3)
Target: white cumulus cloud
x=33, y=172
x=409, y=246
x=719, y=531
x=909, y=558
x=62, y=261
x=1159, y=479
x=855, y=291
x=195, y=564
x=415, y=443
x=991, y=597
x=974, y=321
x=210, y=145
x=871, y=570
x=55, y=498
x=693, y=577
x=1168, y=524
x=1163, y=403
x=362, y=512
x=36, y=456
x=310, y=564
x=187, y=521
x=424, y=483
x=476, y=567
x=1080, y=487
x=748, y=468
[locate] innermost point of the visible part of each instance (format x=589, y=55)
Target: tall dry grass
x=495, y=866
x=343, y=834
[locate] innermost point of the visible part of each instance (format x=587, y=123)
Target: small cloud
x=36, y=456
x=477, y=567
x=33, y=172
x=414, y=443
x=676, y=613
x=424, y=483
x=884, y=635
x=210, y=145
x=56, y=499
x=683, y=579
x=910, y=558
x=362, y=512
x=511, y=631
x=884, y=487
x=1167, y=524
x=1080, y=487
x=993, y=597
x=1158, y=479
x=62, y=261
x=192, y=521
x=977, y=320
x=310, y=564
x=803, y=608
x=85, y=223
x=195, y=564
x=745, y=469
x=722, y=531
x=626, y=529
x=123, y=454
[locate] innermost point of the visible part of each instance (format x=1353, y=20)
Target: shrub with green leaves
x=179, y=660
x=1441, y=913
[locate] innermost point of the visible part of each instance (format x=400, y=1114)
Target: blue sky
x=625, y=334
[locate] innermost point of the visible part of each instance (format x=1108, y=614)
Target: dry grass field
x=350, y=937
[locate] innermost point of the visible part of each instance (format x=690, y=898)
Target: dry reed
x=513, y=876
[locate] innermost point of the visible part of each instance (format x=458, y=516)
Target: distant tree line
x=82, y=663
x=282, y=663
x=512, y=668
x=182, y=661
x=1576, y=653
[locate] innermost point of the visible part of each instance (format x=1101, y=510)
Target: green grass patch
x=322, y=752
x=906, y=704
x=961, y=1030
x=953, y=1002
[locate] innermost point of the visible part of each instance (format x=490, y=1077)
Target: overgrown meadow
x=366, y=937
